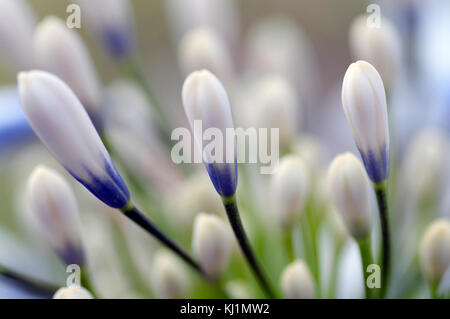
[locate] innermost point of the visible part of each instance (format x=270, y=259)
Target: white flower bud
x=364, y=102
x=16, y=34
x=290, y=188
x=205, y=99
x=203, y=48
x=380, y=46
x=276, y=106
x=72, y=292
x=169, y=277
x=435, y=250
x=60, y=121
x=53, y=203
x=349, y=191
x=211, y=242
x=297, y=281
x=237, y=289
x=61, y=51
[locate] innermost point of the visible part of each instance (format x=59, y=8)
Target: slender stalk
x=288, y=238
x=381, y=193
x=334, y=272
x=135, y=215
x=86, y=282
x=236, y=224
x=434, y=291
x=366, y=260
x=29, y=284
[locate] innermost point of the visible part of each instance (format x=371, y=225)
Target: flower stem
x=288, y=238
x=381, y=192
x=236, y=224
x=29, y=284
x=86, y=282
x=366, y=260
x=334, y=273
x=135, y=215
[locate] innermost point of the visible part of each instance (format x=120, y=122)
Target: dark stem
x=236, y=224
x=380, y=191
x=34, y=286
x=135, y=215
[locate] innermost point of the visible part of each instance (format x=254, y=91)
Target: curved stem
x=31, y=285
x=236, y=224
x=135, y=215
x=380, y=191
x=366, y=260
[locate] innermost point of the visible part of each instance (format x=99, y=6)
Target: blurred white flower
x=62, y=124
x=16, y=34
x=61, y=51
x=297, y=281
x=238, y=289
x=205, y=99
x=364, y=102
x=72, y=292
x=349, y=190
x=211, y=243
x=52, y=201
x=289, y=190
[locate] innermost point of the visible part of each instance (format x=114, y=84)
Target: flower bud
x=170, y=280
x=62, y=124
x=16, y=34
x=203, y=48
x=349, y=191
x=211, y=242
x=52, y=201
x=205, y=100
x=297, y=281
x=112, y=23
x=72, y=292
x=380, y=46
x=290, y=188
x=61, y=51
x=364, y=102
x=435, y=250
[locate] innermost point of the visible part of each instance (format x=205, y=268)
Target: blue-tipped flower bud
x=205, y=100
x=61, y=122
x=364, y=102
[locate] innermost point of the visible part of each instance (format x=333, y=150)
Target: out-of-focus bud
x=170, y=279
x=364, y=102
x=380, y=46
x=61, y=122
x=349, y=190
x=16, y=34
x=312, y=151
x=205, y=100
x=290, y=188
x=61, y=51
x=211, y=242
x=112, y=23
x=237, y=289
x=52, y=201
x=297, y=282
x=203, y=48
x=276, y=106
x=435, y=250
x=73, y=292
x=338, y=228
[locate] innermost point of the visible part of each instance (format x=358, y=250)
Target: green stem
x=86, y=282
x=381, y=193
x=315, y=254
x=236, y=224
x=334, y=273
x=366, y=260
x=288, y=238
x=434, y=291
x=135, y=215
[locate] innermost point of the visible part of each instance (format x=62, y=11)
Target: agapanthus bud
x=72, y=292
x=203, y=48
x=349, y=191
x=290, y=189
x=112, y=23
x=211, y=242
x=16, y=34
x=435, y=250
x=205, y=100
x=52, y=201
x=61, y=51
x=380, y=46
x=62, y=124
x=297, y=281
x=364, y=102
x=169, y=278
